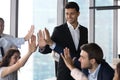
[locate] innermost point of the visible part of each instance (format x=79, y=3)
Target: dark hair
x=118, y=70
x=1, y=20
x=94, y=51
x=72, y=5
x=7, y=57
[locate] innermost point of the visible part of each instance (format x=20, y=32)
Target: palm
x=67, y=58
x=41, y=39
x=32, y=44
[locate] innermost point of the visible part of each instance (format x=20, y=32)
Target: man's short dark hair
x=1, y=19
x=72, y=5
x=94, y=51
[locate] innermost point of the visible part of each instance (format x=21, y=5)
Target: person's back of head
x=1, y=20
x=72, y=5
x=94, y=52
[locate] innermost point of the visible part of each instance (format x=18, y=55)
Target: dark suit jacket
x=62, y=37
x=105, y=72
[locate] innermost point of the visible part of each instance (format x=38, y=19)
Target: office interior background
x=99, y=16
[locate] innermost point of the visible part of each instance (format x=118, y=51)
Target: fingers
x=32, y=28
x=43, y=38
x=33, y=38
x=43, y=34
x=47, y=35
x=66, y=52
x=30, y=33
x=73, y=59
x=40, y=34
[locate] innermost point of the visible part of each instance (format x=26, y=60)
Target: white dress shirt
x=75, y=34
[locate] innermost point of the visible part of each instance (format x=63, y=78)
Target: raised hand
x=32, y=44
x=47, y=37
x=41, y=39
x=30, y=33
x=44, y=38
x=67, y=59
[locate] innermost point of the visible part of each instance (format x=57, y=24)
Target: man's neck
x=75, y=25
x=94, y=67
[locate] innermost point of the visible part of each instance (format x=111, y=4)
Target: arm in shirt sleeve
x=16, y=41
x=78, y=75
x=56, y=48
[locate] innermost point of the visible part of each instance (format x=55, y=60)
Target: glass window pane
x=5, y=14
x=104, y=29
x=118, y=29
x=41, y=14
x=104, y=3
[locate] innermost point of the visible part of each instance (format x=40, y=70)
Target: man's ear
x=92, y=61
x=78, y=13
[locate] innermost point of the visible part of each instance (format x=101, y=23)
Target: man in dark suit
x=70, y=34
x=92, y=63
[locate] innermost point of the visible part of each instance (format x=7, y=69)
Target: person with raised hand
x=70, y=34
x=12, y=62
x=8, y=41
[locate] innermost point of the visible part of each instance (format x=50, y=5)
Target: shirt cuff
x=53, y=46
x=41, y=49
x=78, y=75
x=20, y=42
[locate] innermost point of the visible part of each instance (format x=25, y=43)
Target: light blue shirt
x=8, y=41
x=94, y=75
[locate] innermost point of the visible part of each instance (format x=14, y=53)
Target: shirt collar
x=71, y=27
x=95, y=73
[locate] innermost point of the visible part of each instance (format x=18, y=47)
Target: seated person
x=92, y=63
x=12, y=62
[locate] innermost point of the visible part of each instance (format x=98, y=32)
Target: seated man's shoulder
x=105, y=67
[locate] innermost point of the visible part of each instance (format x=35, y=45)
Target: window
x=5, y=14
x=41, y=14
x=118, y=28
x=104, y=29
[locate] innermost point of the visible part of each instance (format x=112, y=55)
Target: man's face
x=1, y=27
x=71, y=15
x=85, y=62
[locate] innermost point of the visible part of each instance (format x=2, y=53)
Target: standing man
x=7, y=41
x=70, y=34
